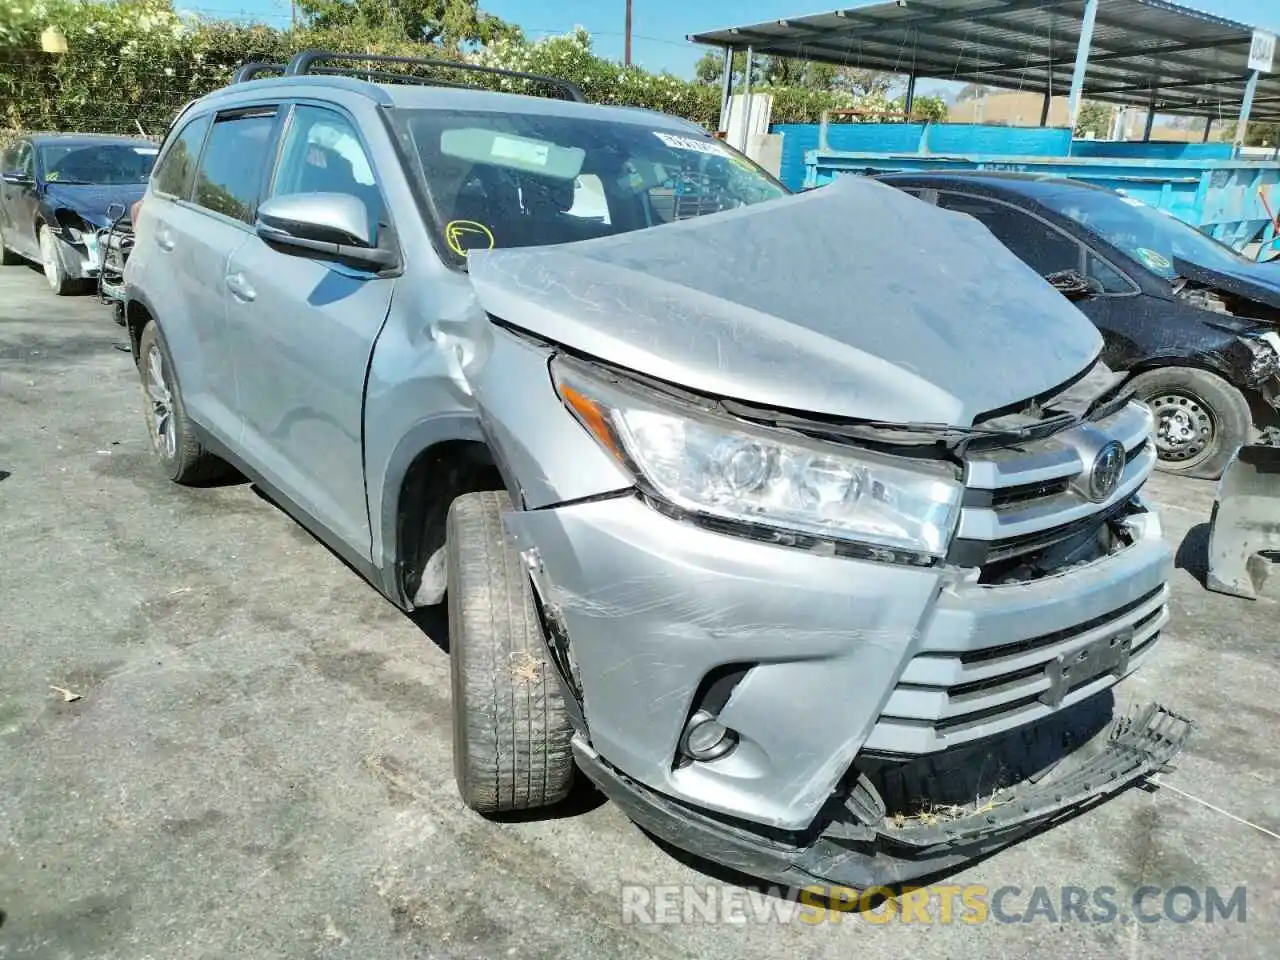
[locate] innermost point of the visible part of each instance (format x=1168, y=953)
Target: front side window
x=24, y=160
x=234, y=164
x=175, y=174
x=322, y=154
x=516, y=179
x=97, y=164
x=1036, y=243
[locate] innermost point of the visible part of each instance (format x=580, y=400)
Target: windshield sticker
x=464, y=235
x=522, y=151
x=146, y=151
x=1131, y=202
x=689, y=143
x=1155, y=261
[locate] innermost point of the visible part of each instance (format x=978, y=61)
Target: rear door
x=302, y=331
x=205, y=193
x=18, y=201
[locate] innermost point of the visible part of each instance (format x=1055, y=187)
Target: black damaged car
x=1193, y=322
x=59, y=192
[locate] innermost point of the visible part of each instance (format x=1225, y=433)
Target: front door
x=302, y=331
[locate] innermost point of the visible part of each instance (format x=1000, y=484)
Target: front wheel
x=55, y=271
x=1201, y=419
x=511, y=730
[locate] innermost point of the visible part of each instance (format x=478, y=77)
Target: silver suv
x=808, y=527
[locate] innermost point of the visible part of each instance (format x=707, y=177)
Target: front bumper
x=849, y=852
x=835, y=656
x=82, y=260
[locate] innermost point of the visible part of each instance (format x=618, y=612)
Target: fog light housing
x=706, y=738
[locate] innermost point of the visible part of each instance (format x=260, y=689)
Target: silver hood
x=855, y=300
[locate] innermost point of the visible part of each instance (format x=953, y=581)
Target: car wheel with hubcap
x=1201, y=419
x=177, y=448
x=55, y=271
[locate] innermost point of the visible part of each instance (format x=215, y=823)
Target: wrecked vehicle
x=59, y=191
x=821, y=566
x=1190, y=320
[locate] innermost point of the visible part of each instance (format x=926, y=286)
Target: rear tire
x=177, y=449
x=1200, y=419
x=7, y=257
x=511, y=730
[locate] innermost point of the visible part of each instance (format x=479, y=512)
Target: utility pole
x=626, y=56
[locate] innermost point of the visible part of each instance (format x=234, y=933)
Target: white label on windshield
x=1132, y=202
x=689, y=143
x=522, y=151
x=147, y=151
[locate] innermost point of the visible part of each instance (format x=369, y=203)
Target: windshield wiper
x=74, y=183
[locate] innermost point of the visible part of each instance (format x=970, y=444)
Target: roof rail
x=248, y=71
x=303, y=62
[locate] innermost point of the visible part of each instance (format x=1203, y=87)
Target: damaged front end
x=799, y=705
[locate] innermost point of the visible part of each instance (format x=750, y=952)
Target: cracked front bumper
x=881, y=853
x=835, y=655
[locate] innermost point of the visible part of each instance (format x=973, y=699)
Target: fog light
x=706, y=738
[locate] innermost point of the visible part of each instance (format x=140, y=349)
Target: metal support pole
x=626, y=57
x=910, y=100
x=1242, y=124
x=726, y=90
x=746, y=99
x=1044, y=107
x=1208, y=125
x=1082, y=61
x=1151, y=117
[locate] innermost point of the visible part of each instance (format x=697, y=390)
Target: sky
x=659, y=27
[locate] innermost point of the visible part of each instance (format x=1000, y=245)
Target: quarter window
x=323, y=154
x=1111, y=279
x=1040, y=246
x=176, y=171
x=232, y=169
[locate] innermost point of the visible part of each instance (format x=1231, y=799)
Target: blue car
x=57, y=191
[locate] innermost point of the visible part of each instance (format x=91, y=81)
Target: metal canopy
x=1191, y=62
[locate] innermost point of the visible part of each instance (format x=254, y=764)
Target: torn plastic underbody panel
x=864, y=845
x=1245, y=526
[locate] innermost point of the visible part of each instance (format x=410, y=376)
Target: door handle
x=164, y=240
x=240, y=288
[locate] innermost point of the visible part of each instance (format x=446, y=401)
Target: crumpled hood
x=1259, y=281
x=92, y=201
x=855, y=300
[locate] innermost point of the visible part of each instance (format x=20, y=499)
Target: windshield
x=515, y=180
x=102, y=164
x=1147, y=235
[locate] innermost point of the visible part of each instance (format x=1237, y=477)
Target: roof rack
x=247, y=71
x=302, y=63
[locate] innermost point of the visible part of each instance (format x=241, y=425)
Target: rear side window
x=176, y=171
x=234, y=165
x=1037, y=244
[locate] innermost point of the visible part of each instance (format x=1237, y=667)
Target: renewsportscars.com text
x=936, y=904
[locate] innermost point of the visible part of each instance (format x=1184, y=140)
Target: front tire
x=173, y=438
x=1201, y=419
x=55, y=271
x=511, y=730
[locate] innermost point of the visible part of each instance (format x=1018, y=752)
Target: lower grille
x=944, y=699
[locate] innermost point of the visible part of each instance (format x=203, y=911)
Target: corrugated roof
x=1197, y=63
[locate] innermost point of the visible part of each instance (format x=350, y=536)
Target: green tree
x=1095, y=118
x=449, y=23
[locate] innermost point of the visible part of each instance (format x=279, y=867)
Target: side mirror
x=1072, y=284
x=333, y=225
x=18, y=178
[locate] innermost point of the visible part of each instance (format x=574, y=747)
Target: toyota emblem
x=1104, y=476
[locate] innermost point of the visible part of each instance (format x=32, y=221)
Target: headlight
x=1266, y=361
x=720, y=467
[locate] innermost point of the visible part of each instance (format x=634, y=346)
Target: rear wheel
x=511, y=731
x=7, y=257
x=173, y=439
x=1200, y=419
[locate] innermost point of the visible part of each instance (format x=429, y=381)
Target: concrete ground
x=258, y=764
